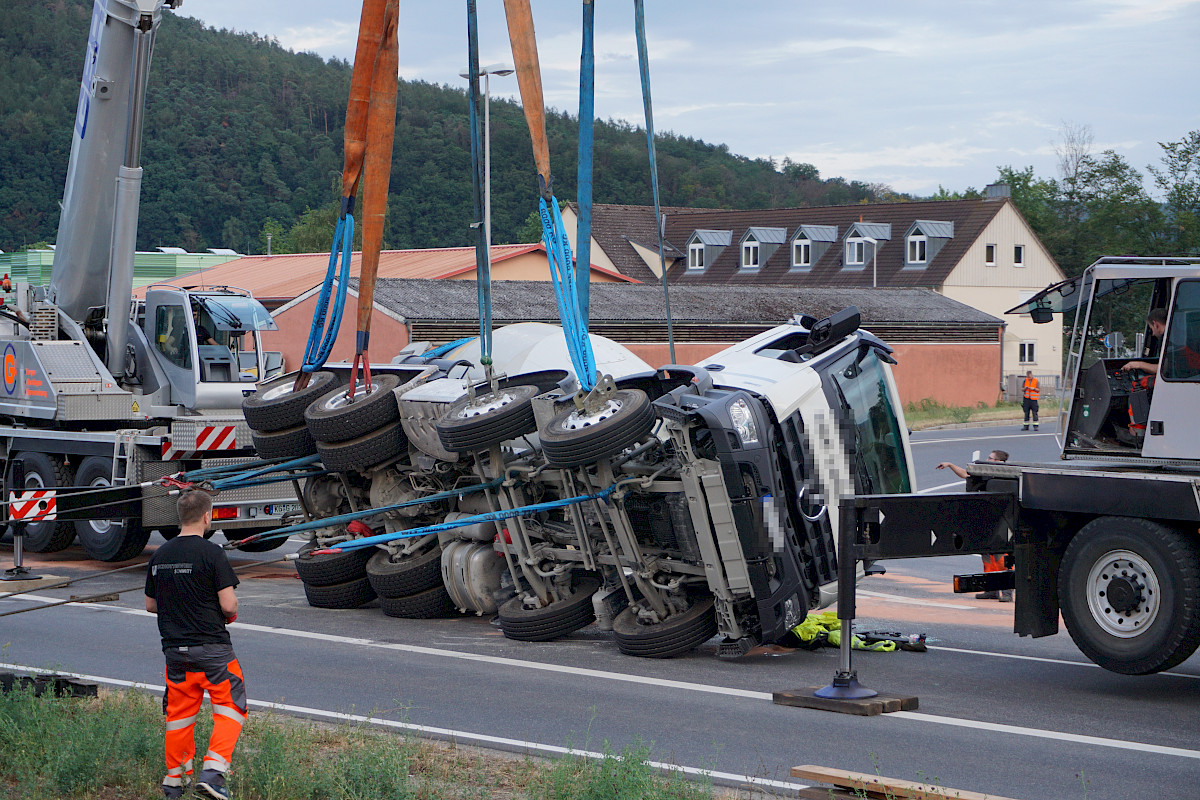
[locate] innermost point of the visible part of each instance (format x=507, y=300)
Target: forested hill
x=242, y=134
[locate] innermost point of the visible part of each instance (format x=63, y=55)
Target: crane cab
x=1133, y=360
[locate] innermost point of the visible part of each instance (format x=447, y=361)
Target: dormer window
x=704, y=247
x=916, y=248
x=696, y=255
x=924, y=240
x=856, y=251
x=810, y=243
x=750, y=254
x=802, y=253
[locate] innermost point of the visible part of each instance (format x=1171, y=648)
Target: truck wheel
x=255, y=547
x=294, y=442
x=332, y=568
x=429, y=604
x=47, y=472
x=276, y=406
x=557, y=619
x=470, y=427
x=572, y=438
x=350, y=594
x=107, y=539
x=674, y=636
x=362, y=453
x=334, y=418
x=1130, y=594
x=409, y=575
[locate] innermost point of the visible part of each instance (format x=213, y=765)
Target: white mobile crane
x=100, y=389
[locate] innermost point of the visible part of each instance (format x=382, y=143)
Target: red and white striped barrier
x=210, y=438
x=34, y=505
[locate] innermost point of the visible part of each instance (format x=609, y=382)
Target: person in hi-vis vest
x=1029, y=399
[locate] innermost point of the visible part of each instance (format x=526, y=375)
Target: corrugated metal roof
x=715, y=238
x=766, y=235
x=932, y=228
x=818, y=233
x=881, y=231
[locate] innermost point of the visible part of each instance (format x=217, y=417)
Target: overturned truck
x=669, y=505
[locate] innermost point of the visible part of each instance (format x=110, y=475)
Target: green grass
x=110, y=748
x=929, y=413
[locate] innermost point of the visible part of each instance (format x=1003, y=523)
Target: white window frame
x=989, y=255
x=1027, y=352
x=917, y=248
x=856, y=252
x=696, y=255
x=750, y=254
x=1018, y=255
x=802, y=253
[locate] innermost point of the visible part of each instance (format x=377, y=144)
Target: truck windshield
x=1116, y=326
x=234, y=313
x=862, y=386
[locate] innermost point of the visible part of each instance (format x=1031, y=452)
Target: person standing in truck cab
x=1030, y=394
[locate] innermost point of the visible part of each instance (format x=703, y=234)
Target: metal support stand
x=845, y=684
x=17, y=528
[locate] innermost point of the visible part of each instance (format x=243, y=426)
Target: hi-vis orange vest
x=1031, y=389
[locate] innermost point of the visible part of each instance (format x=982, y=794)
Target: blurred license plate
x=279, y=509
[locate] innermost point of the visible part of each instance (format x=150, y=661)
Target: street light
x=499, y=70
x=874, y=261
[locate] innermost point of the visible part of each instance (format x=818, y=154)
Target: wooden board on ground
x=878, y=787
x=882, y=703
x=41, y=582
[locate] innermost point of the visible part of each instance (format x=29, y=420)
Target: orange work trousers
x=192, y=671
x=993, y=563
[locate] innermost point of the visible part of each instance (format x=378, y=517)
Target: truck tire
x=332, y=418
x=332, y=568
x=366, y=451
x=493, y=418
x=294, y=442
x=561, y=617
x=429, y=604
x=106, y=539
x=407, y=576
x=255, y=547
x=1130, y=594
x=46, y=472
x=275, y=406
x=350, y=594
x=572, y=439
x=675, y=636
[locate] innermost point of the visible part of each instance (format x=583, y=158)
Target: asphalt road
x=1020, y=718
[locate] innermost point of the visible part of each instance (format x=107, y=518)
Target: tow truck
x=1109, y=536
x=100, y=389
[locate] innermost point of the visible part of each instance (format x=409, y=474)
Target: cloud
x=324, y=37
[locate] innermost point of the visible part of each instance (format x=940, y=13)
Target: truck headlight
x=743, y=421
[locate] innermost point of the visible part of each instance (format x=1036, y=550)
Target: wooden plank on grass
x=879, y=787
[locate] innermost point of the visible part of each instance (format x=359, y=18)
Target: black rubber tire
x=255, y=547
x=51, y=472
x=471, y=434
x=332, y=568
x=1173, y=557
x=364, y=452
x=350, y=594
x=366, y=414
x=429, y=604
x=555, y=620
x=105, y=540
x=564, y=447
x=294, y=442
x=678, y=635
x=406, y=577
x=285, y=410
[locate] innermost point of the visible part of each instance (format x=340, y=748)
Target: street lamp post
x=874, y=261
x=500, y=70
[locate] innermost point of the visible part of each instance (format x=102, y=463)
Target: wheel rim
x=1123, y=594
x=485, y=405
x=343, y=399
x=577, y=420
x=100, y=526
x=276, y=392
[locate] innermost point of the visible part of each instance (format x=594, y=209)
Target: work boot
x=988, y=596
x=172, y=792
x=1035, y=426
x=1025, y=427
x=1006, y=595
x=212, y=784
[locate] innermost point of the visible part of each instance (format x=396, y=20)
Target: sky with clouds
x=916, y=94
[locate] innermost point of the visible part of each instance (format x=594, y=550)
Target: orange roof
x=292, y=275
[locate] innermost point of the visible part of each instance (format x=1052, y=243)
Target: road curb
x=988, y=423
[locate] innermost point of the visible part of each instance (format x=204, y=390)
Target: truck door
x=1171, y=429
x=168, y=326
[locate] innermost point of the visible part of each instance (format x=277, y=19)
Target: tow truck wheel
x=674, y=636
x=107, y=539
x=276, y=405
x=46, y=472
x=255, y=547
x=408, y=575
x=561, y=617
x=331, y=568
x=470, y=427
x=336, y=418
x=574, y=438
x=1130, y=594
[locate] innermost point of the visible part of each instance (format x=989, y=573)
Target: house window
x=696, y=255
x=989, y=255
x=916, y=249
x=750, y=254
x=1019, y=255
x=1028, y=353
x=802, y=253
x=856, y=252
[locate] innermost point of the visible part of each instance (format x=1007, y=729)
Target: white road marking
x=943, y=486
x=693, y=687
x=979, y=438
x=911, y=601
x=482, y=739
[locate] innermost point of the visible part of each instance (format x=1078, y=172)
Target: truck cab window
x=1180, y=360
x=171, y=335
x=862, y=386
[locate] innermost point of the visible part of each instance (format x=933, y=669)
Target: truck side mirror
x=1041, y=316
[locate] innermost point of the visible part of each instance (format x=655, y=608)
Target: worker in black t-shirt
x=202, y=334
x=189, y=585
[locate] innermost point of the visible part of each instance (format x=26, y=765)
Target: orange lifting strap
x=529, y=80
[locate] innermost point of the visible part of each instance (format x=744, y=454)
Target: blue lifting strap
x=321, y=336
x=575, y=328
x=587, y=113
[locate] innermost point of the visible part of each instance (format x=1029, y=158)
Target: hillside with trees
x=243, y=138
